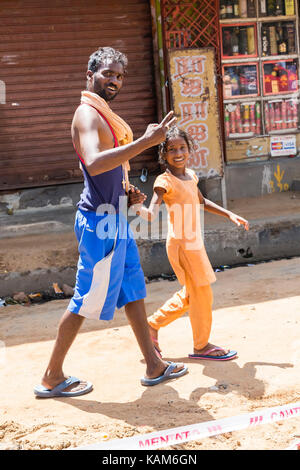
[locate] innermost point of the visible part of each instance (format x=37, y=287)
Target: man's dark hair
x=174, y=131
x=104, y=54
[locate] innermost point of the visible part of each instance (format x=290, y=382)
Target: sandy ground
x=256, y=312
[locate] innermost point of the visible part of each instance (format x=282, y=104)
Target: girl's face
x=177, y=152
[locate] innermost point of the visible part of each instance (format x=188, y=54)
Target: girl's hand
x=135, y=196
x=236, y=219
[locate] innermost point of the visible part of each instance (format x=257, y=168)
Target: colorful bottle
x=229, y=9
x=252, y=118
x=267, y=117
x=232, y=122
x=273, y=42
x=243, y=8
x=227, y=123
x=236, y=9
x=271, y=7
x=289, y=115
x=246, y=118
x=223, y=9
x=257, y=117
x=265, y=41
x=238, y=118
x=263, y=8
x=251, y=40
x=290, y=32
x=277, y=113
x=279, y=8
x=272, y=116
x=289, y=7
x=294, y=114
x=283, y=114
x=251, y=8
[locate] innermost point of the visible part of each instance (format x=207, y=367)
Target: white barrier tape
x=195, y=432
x=294, y=446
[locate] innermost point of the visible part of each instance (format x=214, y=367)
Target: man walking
x=109, y=274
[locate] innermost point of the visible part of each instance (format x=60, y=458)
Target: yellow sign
x=194, y=96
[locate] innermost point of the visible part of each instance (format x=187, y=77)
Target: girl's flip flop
x=224, y=357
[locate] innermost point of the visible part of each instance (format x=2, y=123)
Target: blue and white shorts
x=109, y=273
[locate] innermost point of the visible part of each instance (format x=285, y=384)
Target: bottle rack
x=271, y=110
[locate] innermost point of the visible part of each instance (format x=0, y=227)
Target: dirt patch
x=256, y=312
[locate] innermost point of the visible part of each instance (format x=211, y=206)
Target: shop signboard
x=194, y=100
x=283, y=145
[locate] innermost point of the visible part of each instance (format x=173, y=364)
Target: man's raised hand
x=156, y=133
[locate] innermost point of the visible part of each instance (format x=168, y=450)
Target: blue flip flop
x=167, y=375
x=58, y=391
x=224, y=357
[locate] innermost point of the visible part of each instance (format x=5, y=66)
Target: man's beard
x=102, y=93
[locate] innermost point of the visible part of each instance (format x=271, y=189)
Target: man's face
x=107, y=81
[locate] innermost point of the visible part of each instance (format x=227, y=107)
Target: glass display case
x=242, y=119
x=260, y=67
x=280, y=77
x=281, y=114
x=278, y=38
x=239, y=40
x=240, y=80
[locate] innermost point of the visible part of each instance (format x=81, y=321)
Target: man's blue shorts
x=109, y=273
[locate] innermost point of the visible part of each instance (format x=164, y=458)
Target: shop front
x=256, y=64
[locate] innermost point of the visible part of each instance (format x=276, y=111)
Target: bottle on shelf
x=251, y=8
x=257, y=117
x=250, y=40
x=267, y=117
x=235, y=47
x=273, y=43
x=243, y=8
x=289, y=7
x=290, y=33
x=263, y=8
x=252, y=118
x=223, y=9
x=227, y=87
x=277, y=112
x=271, y=7
x=281, y=41
x=279, y=8
x=226, y=40
x=238, y=118
x=272, y=116
x=227, y=122
x=236, y=9
x=274, y=81
x=232, y=122
x=265, y=39
x=283, y=114
x=229, y=9
x=243, y=41
x=246, y=118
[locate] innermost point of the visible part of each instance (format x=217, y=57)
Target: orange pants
x=197, y=300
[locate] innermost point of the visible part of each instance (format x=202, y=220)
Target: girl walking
x=177, y=187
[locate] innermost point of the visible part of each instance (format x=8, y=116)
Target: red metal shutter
x=44, y=50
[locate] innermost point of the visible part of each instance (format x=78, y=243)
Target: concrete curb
x=270, y=239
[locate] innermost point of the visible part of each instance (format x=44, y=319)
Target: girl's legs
x=172, y=309
x=200, y=313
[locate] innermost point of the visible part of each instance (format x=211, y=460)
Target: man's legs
x=68, y=328
x=137, y=318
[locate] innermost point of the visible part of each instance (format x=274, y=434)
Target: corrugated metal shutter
x=44, y=50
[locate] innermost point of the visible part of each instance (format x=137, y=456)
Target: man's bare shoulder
x=86, y=117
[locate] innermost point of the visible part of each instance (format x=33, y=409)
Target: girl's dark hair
x=104, y=54
x=174, y=131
